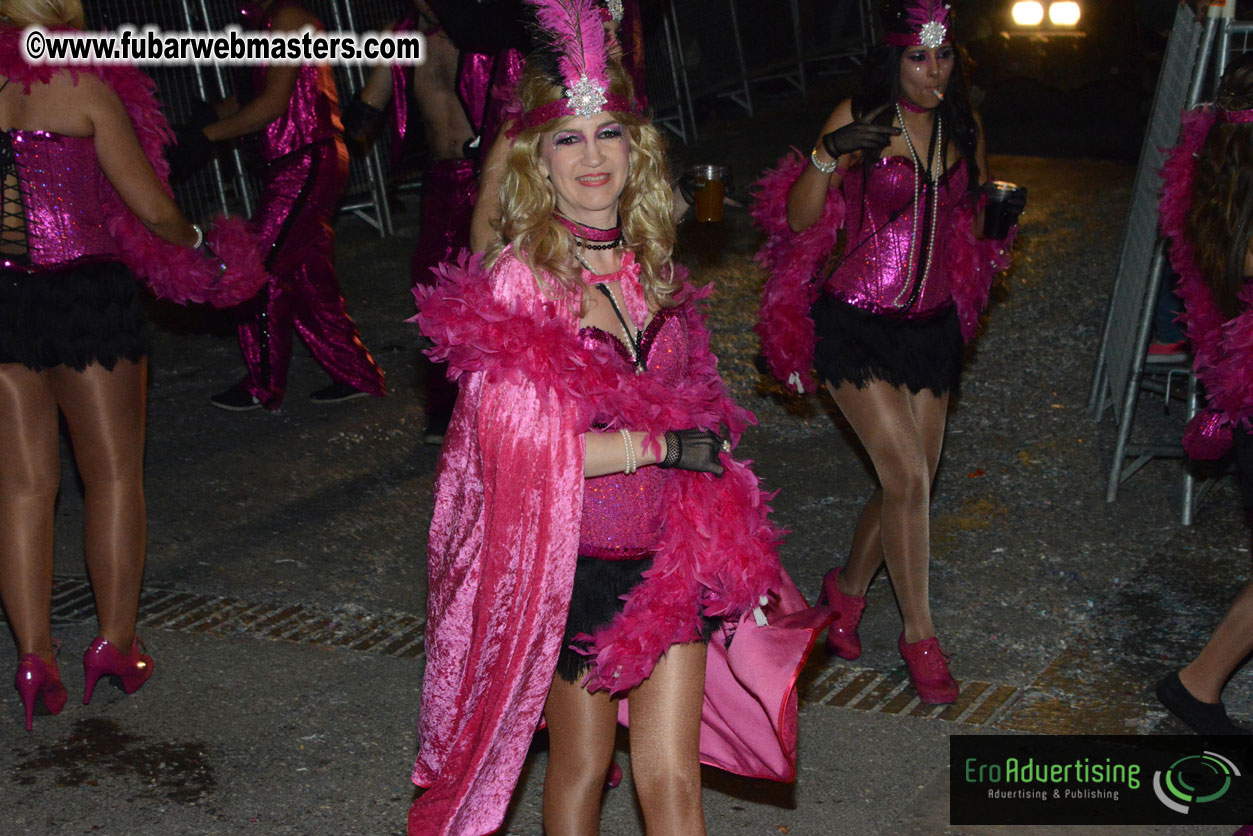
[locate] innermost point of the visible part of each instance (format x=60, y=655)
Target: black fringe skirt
x=73, y=317
x=858, y=346
x=598, y=589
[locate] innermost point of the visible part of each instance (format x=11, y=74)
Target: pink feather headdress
x=576, y=31
x=928, y=25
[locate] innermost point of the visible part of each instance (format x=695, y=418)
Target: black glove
x=359, y=118
x=203, y=115
x=1017, y=200
x=189, y=153
x=693, y=450
x=860, y=135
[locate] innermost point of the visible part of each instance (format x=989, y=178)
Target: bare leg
x=29, y=479
x=581, y=729
x=903, y=434
x=105, y=411
x=665, y=743
x=1231, y=641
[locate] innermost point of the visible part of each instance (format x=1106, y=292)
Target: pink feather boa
x=1222, y=349
x=718, y=545
x=791, y=260
x=180, y=274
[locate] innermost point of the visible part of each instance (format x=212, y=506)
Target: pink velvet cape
x=1222, y=347
x=179, y=274
x=505, y=532
x=792, y=261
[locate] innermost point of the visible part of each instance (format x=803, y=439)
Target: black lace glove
x=189, y=153
x=860, y=135
x=358, y=118
x=693, y=450
x=1017, y=200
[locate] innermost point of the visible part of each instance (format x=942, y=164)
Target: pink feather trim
x=578, y=33
x=972, y=266
x=1222, y=349
x=791, y=260
x=172, y=272
x=718, y=545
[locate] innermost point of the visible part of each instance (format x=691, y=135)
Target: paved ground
x=286, y=589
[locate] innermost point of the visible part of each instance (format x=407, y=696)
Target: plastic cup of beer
x=710, y=190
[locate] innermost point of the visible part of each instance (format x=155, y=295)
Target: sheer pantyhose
x=105, y=412
x=1228, y=646
x=903, y=434
x=665, y=749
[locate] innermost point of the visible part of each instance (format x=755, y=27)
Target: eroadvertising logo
x=1089, y=779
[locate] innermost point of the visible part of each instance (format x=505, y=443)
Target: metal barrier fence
x=1195, y=58
x=704, y=49
x=697, y=49
x=226, y=185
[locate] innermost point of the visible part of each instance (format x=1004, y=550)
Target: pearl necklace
x=935, y=202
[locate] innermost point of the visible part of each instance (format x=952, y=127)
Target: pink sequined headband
x=928, y=25
x=577, y=32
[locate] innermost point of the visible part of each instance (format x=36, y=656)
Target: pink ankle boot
x=842, y=638
x=928, y=670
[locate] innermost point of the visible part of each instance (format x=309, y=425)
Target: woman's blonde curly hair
x=23, y=13
x=528, y=200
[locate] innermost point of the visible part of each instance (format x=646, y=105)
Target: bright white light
x=1028, y=13
x=1064, y=14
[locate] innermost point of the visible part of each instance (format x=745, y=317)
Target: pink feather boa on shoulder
x=1222, y=348
x=718, y=546
x=791, y=260
x=180, y=274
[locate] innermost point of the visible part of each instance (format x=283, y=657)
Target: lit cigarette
x=938, y=95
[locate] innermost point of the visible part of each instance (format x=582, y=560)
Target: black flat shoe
x=235, y=399
x=1205, y=718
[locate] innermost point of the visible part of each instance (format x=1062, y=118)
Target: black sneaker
x=337, y=392
x=1204, y=718
x=235, y=399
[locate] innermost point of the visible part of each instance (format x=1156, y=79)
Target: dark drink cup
x=1001, y=210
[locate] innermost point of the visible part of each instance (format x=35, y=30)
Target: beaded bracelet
x=825, y=168
x=630, y=451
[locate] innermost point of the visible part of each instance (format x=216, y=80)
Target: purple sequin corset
x=620, y=512
x=874, y=273
x=61, y=182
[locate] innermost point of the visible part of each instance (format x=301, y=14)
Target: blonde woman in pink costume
x=594, y=544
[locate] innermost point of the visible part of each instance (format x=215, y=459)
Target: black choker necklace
x=591, y=237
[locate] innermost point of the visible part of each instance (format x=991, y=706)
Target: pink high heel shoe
x=928, y=670
x=35, y=678
x=842, y=638
x=104, y=659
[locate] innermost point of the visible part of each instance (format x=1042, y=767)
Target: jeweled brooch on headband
x=928, y=23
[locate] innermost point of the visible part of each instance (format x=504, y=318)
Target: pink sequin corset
x=620, y=512
x=61, y=184
x=874, y=273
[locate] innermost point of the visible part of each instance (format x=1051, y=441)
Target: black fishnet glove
x=693, y=450
x=860, y=135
